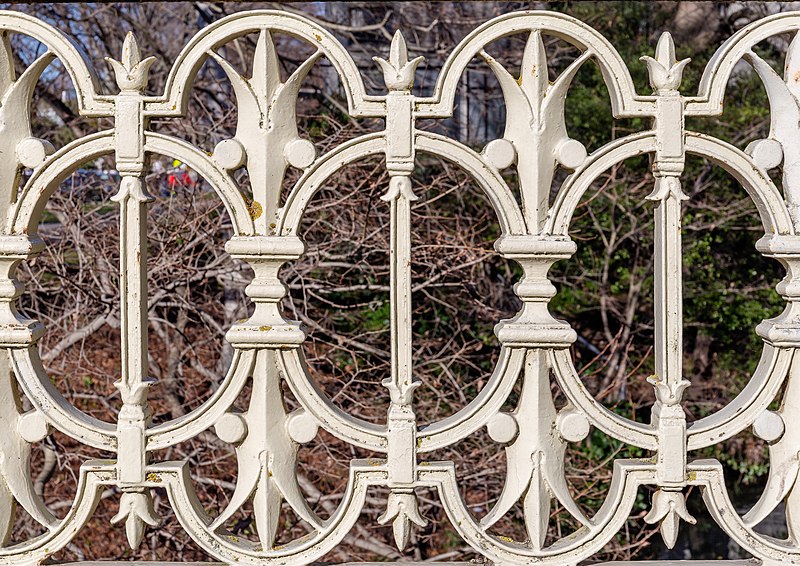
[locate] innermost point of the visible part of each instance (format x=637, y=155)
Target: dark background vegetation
x=339, y=290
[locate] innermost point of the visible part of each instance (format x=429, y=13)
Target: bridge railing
x=268, y=347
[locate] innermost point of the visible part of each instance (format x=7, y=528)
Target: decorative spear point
x=669, y=507
x=665, y=72
x=398, y=71
x=136, y=508
x=131, y=71
x=402, y=510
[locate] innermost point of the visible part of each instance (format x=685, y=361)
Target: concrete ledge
x=750, y=562
x=747, y=562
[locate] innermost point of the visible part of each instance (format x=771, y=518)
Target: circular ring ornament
x=773, y=367
x=477, y=413
x=60, y=414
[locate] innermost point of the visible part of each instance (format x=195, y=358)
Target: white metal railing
x=534, y=345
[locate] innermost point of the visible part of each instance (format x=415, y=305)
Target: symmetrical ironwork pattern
x=534, y=345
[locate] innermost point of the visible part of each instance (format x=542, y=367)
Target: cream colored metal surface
x=534, y=345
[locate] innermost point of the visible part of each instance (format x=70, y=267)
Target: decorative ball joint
x=769, y=426
x=500, y=154
x=302, y=426
x=572, y=425
x=502, y=428
x=767, y=153
x=231, y=428
x=31, y=152
x=231, y=154
x=571, y=153
x=300, y=153
x=33, y=427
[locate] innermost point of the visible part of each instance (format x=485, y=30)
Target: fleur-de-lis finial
x=665, y=71
x=781, y=145
x=668, y=393
x=669, y=508
x=136, y=509
x=18, y=147
x=131, y=71
x=398, y=71
x=267, y=138
x=535, y=123
x=402, y=511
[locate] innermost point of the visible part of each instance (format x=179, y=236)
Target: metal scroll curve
x=83, y=76
x=624, y=100
x=175, y=98
x=24, y=218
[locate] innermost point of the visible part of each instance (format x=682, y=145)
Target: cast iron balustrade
x=268, y=348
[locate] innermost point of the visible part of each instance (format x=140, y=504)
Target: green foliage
x=728, y=286
x=374, y=318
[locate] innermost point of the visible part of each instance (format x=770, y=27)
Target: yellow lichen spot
x=691, y=476
x=255, y=209
x=505, y=539
x=153, y=477
x=318, y=37
x=265, y=328
x=519, y=80
x=233, y=538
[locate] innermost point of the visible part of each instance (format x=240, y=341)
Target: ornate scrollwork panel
x=266, y=435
